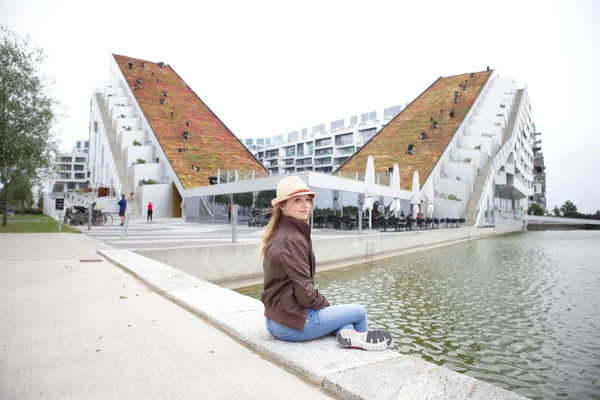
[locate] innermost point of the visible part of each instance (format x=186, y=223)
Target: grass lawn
x=33, y=223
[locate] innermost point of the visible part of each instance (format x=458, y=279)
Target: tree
x=556, y=211
x=21, y=192
x=535, y=209
x=27, y=112
x=568, y=209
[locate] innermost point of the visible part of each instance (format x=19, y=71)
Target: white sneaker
x=373, y=340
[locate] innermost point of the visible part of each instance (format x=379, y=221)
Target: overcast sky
x=267, y=68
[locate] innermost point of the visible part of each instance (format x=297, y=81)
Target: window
x=79, y=175
x=65, y=159
x=249, y=142
x=292, y=136
x=260, y=142
x=95, y=126
x=369, y=133
x=343, y=140
x=353, y=121
x=80, y=159
x=268, y=141
x=71, y=185
x=391, y=112
x=78, y=145
x=290, y=151
x=277, y=139
x=318, y=129
x=304, y=133
x=323, y=152
x=371, y=116
x=339, y=124
x=65, y=175
x=64, y=167
x=87, y=144
x=78, y=168
x=323, y=161
x=323, y=142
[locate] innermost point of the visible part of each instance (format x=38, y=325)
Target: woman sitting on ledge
x=295, y=311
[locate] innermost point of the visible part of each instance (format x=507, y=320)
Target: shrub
x=478, y=147
x=136, y=143
x=148, y=182
x=453, y=197
x=502, y=105
x=140, y=161
x=467, y=160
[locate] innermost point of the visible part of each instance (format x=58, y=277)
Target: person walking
x=122, y=207
x=295, y=311
x=149, y=217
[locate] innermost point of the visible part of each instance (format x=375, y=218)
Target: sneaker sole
x=373, y=340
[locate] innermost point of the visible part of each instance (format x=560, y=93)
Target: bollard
x=60, y=219
x=90, y=212
x=124, y=229
x=234, y=223
x=359, y=222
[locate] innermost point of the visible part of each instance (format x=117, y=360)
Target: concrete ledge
x=229, y=263
x=349, y=373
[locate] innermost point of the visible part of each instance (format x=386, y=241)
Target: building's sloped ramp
x=210, y=145
x=389, y=145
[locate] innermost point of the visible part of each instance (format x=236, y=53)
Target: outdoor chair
x=331, y=219
x=436, y=222
x=454, y=222
x=392, y=222
x=381, y=224
x=429, y=221
x=401, y=223
x=420, y=223
x=448, y=223
x=345, y=220
x=461, y=221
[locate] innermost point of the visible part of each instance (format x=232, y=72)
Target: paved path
x=72, y=325
x=174, y=232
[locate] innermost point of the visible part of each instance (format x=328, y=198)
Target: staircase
x=478, y=189
x=114, y=148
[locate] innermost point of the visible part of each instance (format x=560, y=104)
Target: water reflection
x=518, y=311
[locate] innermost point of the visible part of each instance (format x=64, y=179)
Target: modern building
x=150, y=134
x=472, y=136
x=73, y=172
x=322, y=148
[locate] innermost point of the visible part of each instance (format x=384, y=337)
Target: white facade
x=73, y=172
x=321, y=148
x=124, y=151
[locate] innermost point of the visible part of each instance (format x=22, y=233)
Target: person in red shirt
x=149, y=218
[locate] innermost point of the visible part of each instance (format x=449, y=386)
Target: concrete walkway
x=73, y=325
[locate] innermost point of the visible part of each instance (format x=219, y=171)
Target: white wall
x=138, y=172
x=161, y=196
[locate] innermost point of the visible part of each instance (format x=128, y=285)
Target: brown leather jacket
x=289, y=270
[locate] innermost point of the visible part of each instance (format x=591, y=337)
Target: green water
x=520, y=311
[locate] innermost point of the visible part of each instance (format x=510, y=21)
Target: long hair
x=270, y=229
x=273, y=225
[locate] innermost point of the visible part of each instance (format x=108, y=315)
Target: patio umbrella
x=336, y=201
x=395, y=181
x=369, y=186
x=430, y=194
x=416, y=194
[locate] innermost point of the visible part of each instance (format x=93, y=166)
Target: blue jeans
x=319, y=323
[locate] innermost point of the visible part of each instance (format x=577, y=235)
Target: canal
x=520, y=311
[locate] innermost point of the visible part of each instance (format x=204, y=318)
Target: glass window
x=304, y=133
x=78, y=168
x=318, y=129
x=249, y=142
x=339, y=124
x=292, y=136
x=78, y=145
x=391, y=112
x=369, y=133
x=65, y=175
x=260, y=142
x=353, y=121
x=71, y=185
x=80, y=176
x=80, y=159
x=65, y=159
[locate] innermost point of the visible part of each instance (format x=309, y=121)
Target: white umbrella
x=429, y=194
x=395, y=206
x=369, y=186
x=416, y=194
x=336, y=201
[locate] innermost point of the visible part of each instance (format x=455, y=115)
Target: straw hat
x=291, y=186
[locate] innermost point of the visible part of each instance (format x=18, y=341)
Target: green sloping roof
x=389, y=145
x=211, y=145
